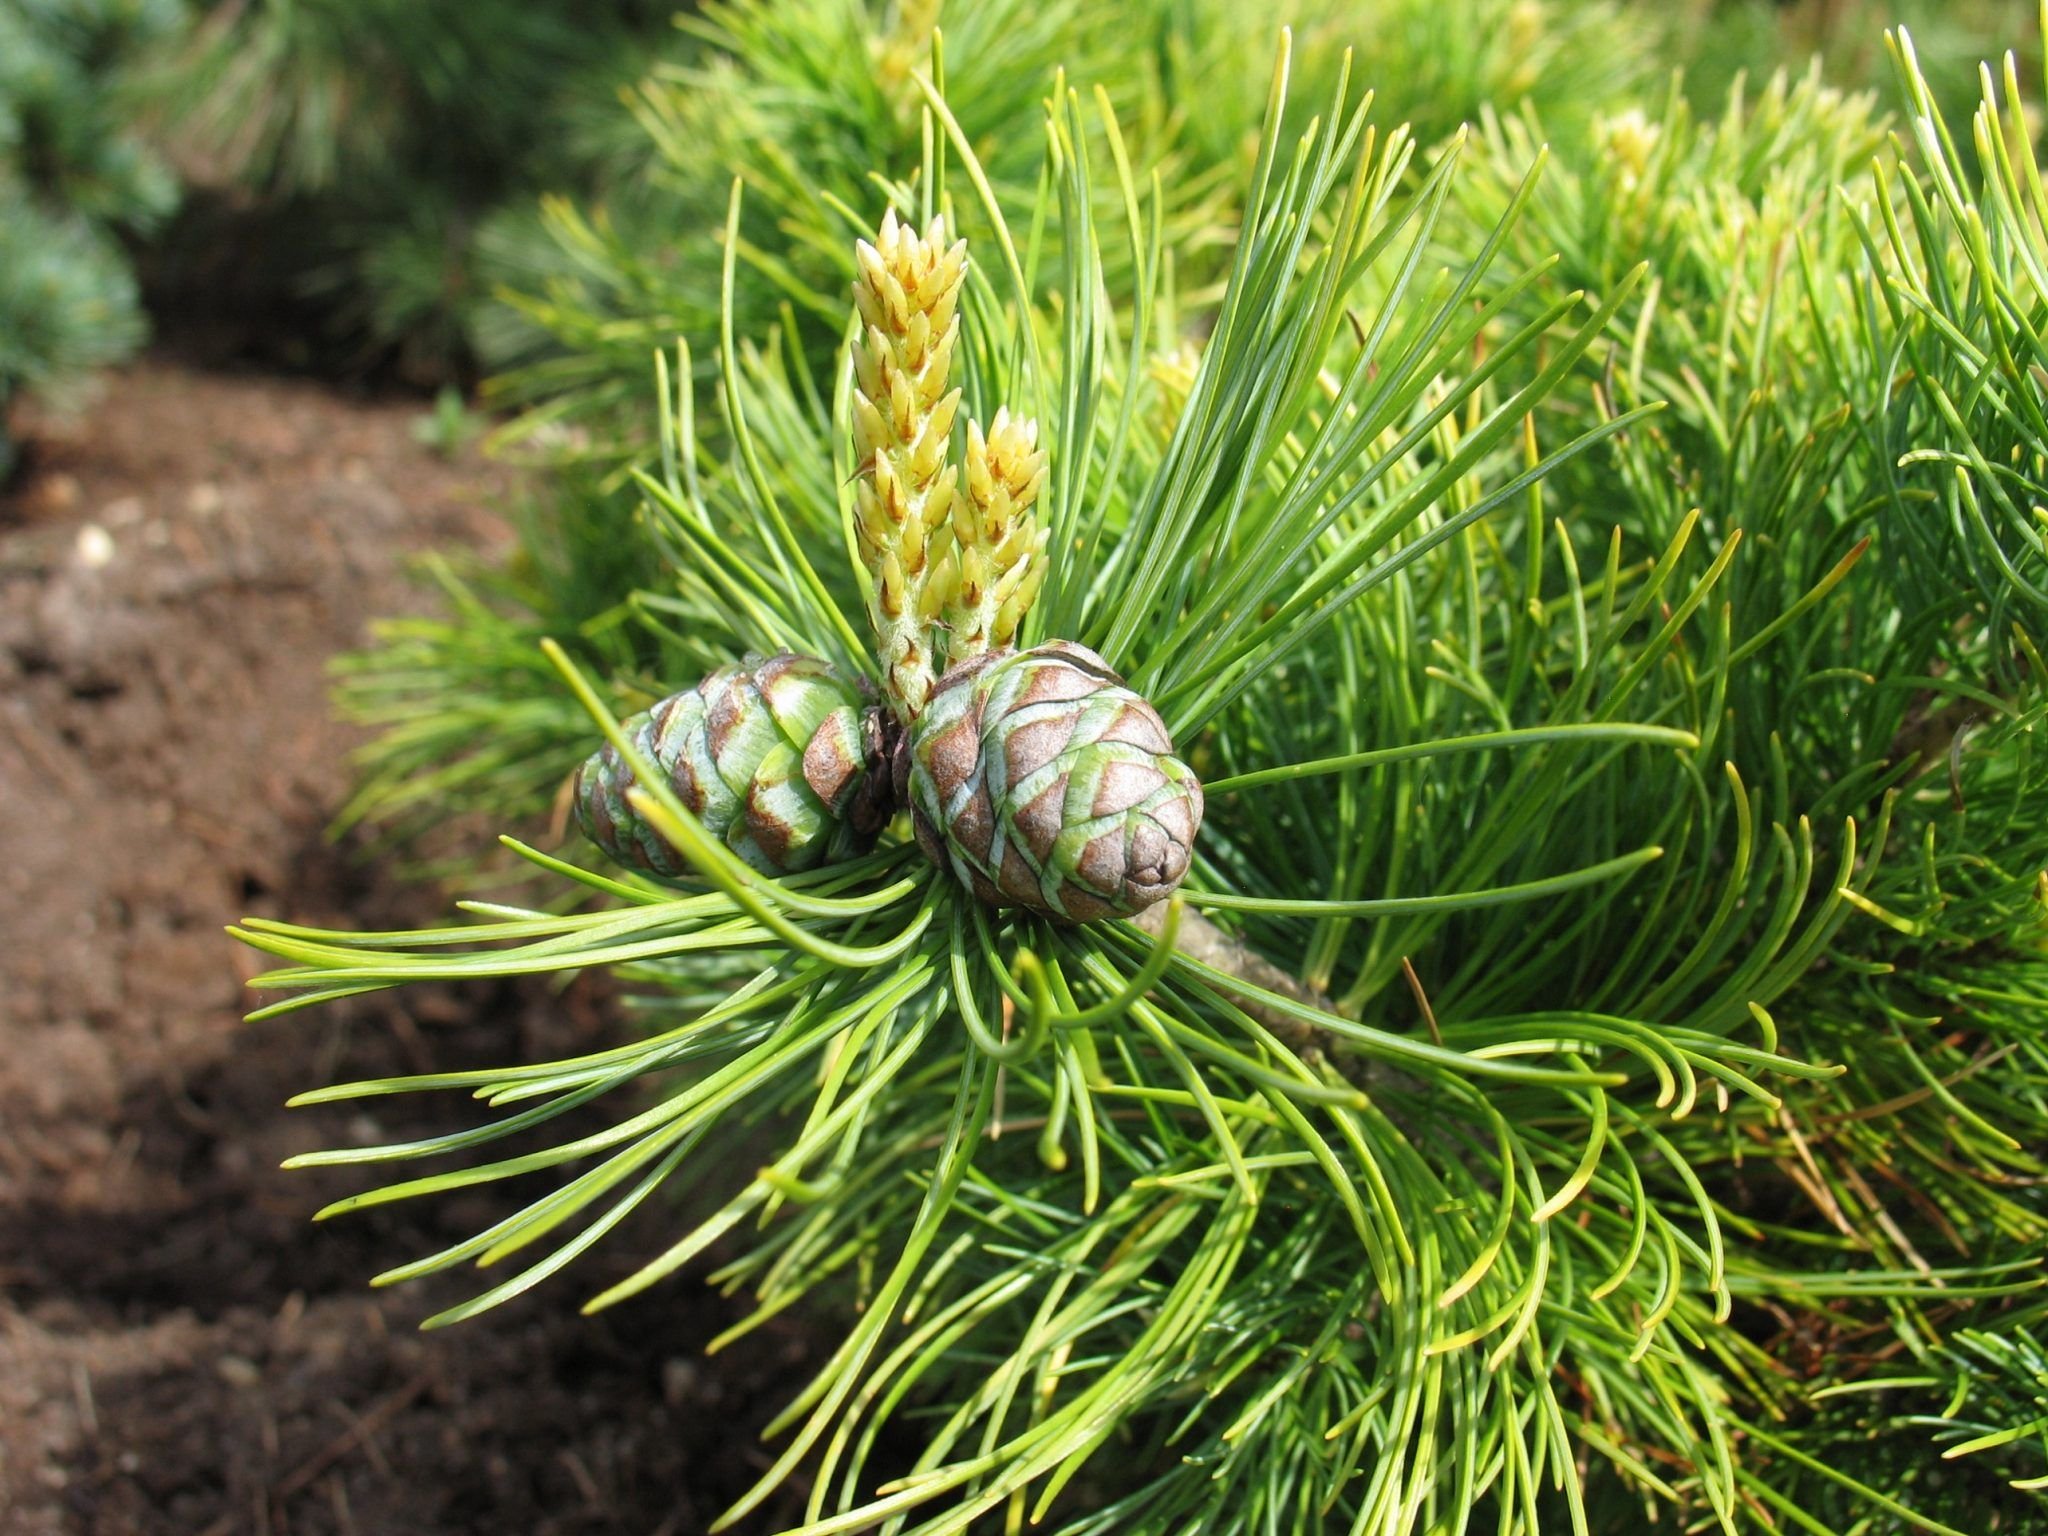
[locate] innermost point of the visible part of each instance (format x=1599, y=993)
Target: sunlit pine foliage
x=1598, y=597
x=805, y=101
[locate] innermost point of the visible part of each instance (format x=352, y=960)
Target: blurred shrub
x=1719, y=39
x=366, y=142
x=764, y=94
x=72, y=180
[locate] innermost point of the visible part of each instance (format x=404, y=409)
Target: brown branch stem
x=1202, y=941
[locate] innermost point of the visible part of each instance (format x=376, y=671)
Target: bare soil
x=181, y=1349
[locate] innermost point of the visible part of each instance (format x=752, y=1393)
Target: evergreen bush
x=371, y=142
x=804, y=102
x=775, y=93
x=73, y=181
x=1591, y=1077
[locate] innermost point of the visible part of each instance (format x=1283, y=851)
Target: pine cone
x=1043, y=782
x=780, y=758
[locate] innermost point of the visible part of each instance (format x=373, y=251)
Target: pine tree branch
x=1206, y=944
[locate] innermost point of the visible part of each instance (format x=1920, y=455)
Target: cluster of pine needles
x=1602, y=589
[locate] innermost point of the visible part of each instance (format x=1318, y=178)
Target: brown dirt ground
x=181, y=1350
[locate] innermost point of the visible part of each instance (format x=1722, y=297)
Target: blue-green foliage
x=73, y=181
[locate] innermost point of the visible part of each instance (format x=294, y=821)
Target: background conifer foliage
x=74, y=176
x=1536, y=564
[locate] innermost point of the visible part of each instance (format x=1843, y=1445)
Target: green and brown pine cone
x=782, y=759
x=1043, y=782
